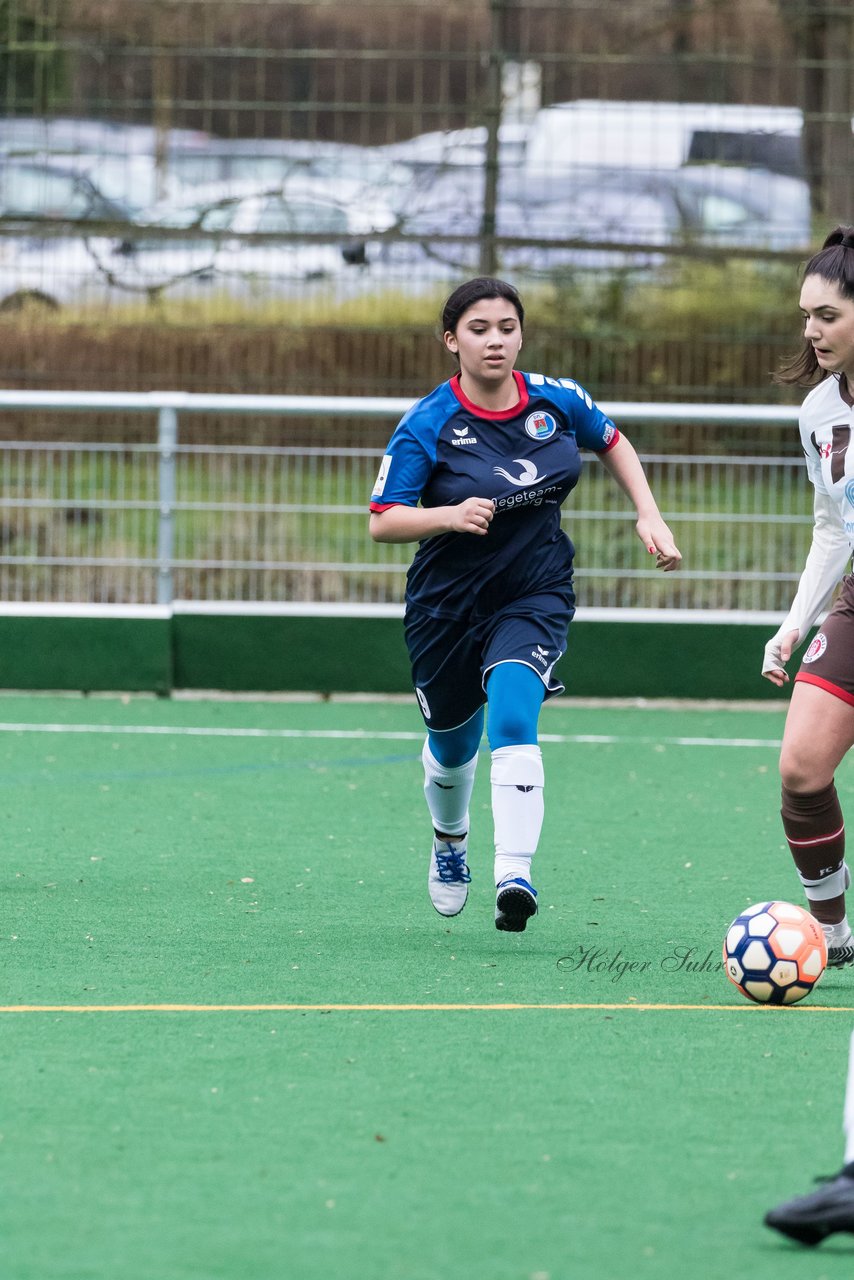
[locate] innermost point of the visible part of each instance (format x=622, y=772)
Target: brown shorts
x=829, y=661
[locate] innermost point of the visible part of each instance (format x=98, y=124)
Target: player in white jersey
x=819, y=728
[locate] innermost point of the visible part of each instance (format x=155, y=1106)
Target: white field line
x=374, y=735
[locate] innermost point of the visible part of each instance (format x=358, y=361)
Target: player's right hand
x=778, y=651
x=472, y=516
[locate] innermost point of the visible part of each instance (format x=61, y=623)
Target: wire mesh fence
x=234, y=154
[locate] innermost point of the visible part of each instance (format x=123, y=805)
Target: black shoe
x=515, y=903
x=809, y=1219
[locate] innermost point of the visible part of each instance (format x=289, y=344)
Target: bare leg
x=819, y=732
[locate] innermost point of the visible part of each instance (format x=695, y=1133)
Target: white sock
x=512, y=867
x=517, y=808
x=448, y=792
x=848, y=1119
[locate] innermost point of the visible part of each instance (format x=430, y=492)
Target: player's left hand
x=658, y=540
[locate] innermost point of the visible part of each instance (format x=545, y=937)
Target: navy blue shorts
x=452, y=657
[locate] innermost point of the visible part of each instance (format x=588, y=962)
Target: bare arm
x=625, y=466
x=411, y=524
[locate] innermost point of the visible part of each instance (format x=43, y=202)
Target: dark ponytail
x=834, y=263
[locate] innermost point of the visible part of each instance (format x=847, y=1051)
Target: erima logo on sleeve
x=382, y=475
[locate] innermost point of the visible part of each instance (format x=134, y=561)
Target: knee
x=800, y=771
x=456, y=747
x=510, y=726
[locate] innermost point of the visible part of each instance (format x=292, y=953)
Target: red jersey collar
x=493, y=415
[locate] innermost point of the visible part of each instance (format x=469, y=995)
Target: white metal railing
x=285, y=527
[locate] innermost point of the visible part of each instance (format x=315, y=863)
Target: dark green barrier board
x=605, y=659
x=271, y=653
x=86, y=654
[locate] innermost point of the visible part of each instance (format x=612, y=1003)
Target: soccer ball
x=775, y=952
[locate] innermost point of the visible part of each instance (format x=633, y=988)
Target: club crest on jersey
x=540, y=425
x=817, y=648
x=849, y=493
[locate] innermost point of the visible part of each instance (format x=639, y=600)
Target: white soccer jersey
x=826, y=426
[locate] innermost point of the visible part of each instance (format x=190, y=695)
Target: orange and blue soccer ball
x=775, y=952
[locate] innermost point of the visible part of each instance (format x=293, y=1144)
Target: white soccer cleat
x=448, y=878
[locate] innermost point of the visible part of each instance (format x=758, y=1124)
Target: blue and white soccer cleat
x=515, y=903
x=448, y=878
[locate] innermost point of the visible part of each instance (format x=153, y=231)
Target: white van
x=646, y=135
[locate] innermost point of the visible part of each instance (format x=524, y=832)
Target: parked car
x=131, y=164
x=708, y=205
x=241, y=165
x=747, y=207
x=47, y=213
x=641, y=135
x=256, y=251
x=640, y=213
x=31, y=191
x=98, y=270
x=342, y=205
x=257, y=246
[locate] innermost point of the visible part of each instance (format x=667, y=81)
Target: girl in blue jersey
x=476, y=473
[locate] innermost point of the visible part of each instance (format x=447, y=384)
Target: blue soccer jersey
x=526, y=459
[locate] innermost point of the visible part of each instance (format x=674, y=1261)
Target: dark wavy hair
x=834, y=262
x=478, y=290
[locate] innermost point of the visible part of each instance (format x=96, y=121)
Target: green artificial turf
x=274, y=854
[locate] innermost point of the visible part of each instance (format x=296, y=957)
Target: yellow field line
x=401, y=1008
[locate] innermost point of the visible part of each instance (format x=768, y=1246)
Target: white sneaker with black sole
x=448, y=878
